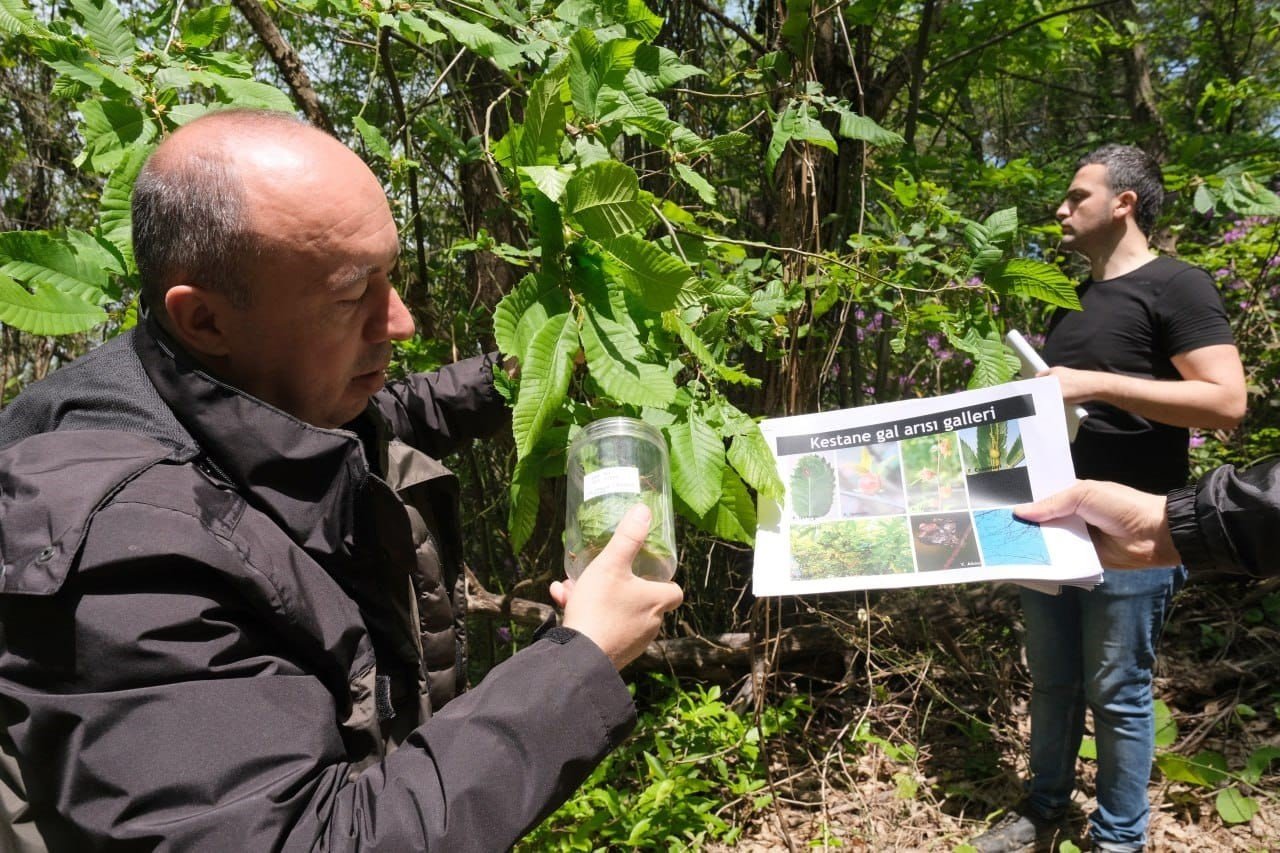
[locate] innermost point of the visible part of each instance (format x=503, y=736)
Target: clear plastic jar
x=613, y=464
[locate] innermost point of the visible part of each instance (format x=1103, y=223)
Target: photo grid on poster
x=922, y=504
x=921, y=492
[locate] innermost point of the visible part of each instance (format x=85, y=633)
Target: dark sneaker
x=1019, y=830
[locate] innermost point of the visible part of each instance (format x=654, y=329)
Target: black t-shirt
x=1133, y=325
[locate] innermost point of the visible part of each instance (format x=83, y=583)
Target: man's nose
x=394, y=325
x=1062, y=212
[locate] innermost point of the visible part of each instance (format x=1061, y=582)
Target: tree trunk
x=286, y=60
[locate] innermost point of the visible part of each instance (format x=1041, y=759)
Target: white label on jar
x=611, y=481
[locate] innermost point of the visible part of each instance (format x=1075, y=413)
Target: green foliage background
x=694, y=214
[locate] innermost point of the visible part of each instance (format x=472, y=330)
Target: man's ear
x=198, y=318
x=1126, y=204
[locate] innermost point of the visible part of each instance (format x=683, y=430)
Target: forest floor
x=921, y=741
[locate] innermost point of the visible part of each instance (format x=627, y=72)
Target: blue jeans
x=1097, y=649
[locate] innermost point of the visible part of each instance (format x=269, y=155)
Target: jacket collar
x=305, y=477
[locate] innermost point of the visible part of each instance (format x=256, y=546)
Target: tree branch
x=286, y=60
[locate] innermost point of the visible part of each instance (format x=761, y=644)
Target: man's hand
x=619, y=612
x=1128, y=527
x=1078, y=386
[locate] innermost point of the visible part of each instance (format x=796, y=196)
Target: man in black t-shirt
x=1150, y=355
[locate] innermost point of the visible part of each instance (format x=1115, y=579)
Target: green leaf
x=854, y=126
x=593, y=66
x=544, y=119
x=41, y=258
x=604, y=199
x=813, y=486
x=1002, y=225
x=1088, y=746
x=411, y=25
x=373, y=140
x=650, y=273
x=733, y=516
x=250, y=93
x=700, y=185
x=1034, y=280
x=1204, y=200
x=544, y=380
x=662, y=68
x=206, y=25
x=479, y=39
x=799, y=122
x=525, y=310
x=522, y=508
x=703, y=354
x=115, y=215
x=1234, y=807
x=106, y=30
x=550, y=180
x=1258, y=762
x=16, y=18
x=697, y=463
x=750, y=455
x=110, y=129
x=726, y=143
x=634, y=15
x=993, y=362
x=614, y=361
x=1166, y=725
x=1246, y=196
x=47, y=310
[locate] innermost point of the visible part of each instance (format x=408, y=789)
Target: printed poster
x=919, y=492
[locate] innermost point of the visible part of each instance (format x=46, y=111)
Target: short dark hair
x=1130, y=168
x=189, y=216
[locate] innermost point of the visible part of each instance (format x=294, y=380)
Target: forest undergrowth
x=915, y=744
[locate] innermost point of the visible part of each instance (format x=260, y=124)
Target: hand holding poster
x=920, y=492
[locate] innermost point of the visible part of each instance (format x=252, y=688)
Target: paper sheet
x=919, y=492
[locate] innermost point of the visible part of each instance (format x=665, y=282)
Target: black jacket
x=212, y=626
x=1229, y=521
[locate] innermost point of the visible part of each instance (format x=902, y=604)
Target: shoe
x=1020, y=829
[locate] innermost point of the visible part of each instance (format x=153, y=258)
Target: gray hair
x=1131, y=169
x=189, y=214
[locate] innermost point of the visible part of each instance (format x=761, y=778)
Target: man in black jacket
x=230, y=589
x=1227, y=522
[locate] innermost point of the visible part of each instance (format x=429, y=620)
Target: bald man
x=230, y=599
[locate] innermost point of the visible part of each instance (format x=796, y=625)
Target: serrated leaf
x=47, y=310
x=16, y=18
x=522, y=506
x=1234, y=807
x=115, y=215
x=594, y=66
x=206, y=25
x=544, y=119
x=798, y=121
x=653, y=275
x=250, y=93
x=697, y=463
x=550, y=180
x=993, y=362
x=855, y=126
x=750, y=456
x=373, y=139
x=634, y=15
x=604, y=199
x=411, y=25
x=661, y=68
x=38, y=257
x=1034, y=280
x=614, y=362
x=544, y=380
x=185, y=113
x=1002, y=225
x=724, y=144
x=700, y=185
x=525, y=310
x=812, y=488
x=716, y=293
x=110, y=129
x=733, y=516
x=106, y=29
x=479, y=39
